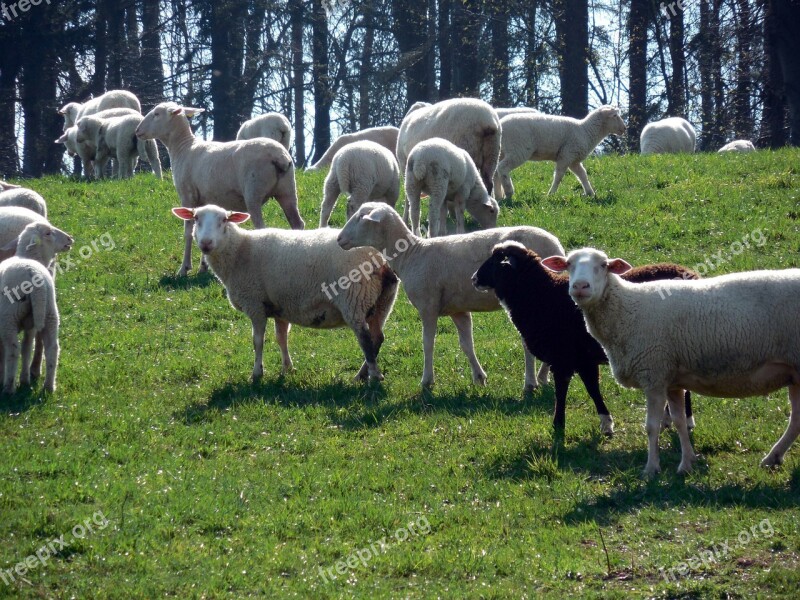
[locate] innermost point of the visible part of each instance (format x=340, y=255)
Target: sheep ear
x=509, y=260
x=10, y=249
x=62, y=139
x=187, y=214
x=35, y=239
x=188, y=111
x=555, y=263
x=374, y=215
x=618, y=266
x=237, y=217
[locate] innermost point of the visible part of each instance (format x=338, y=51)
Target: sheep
x=436, y=274
x=283, y=274
x=564, y=140
x=271, y=125
x=728, y=336
x=738, y=146
x=667, y=136
x=448, y=175
x=504, y=112
x=236, y=175
x=82, y=143
x=528, y=290
x=385, y=136
x=30, y=304
x=116, y=137
x=111, y=99
x=469, y=123
x=13, y=220
x=364, y=171
x=23, y=197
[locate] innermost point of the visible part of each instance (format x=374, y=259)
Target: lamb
x=448, y=175
x=116, y=138
x=729, y=336
x=528, y=290
x=271, y=125
x=283, y=274
x=436, y=275
x=469, y=123
x=564, y=140
x=504, y=112
x=83, y=143
x=385, y=136
x=236, y=175
x=667, y=136
x=14, y=195
x=738, y=146
x=111, y=99
x=30, y=304
x=364, y=171
x=13, y=219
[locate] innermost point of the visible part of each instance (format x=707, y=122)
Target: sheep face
x=613, y=120
x=588, y=273
x=51, y=238
x=502, y=263
x=156, y=123
x=211, y=224
x=362, y=228
x=70, y=111
x=85, y=126
x=485, y=212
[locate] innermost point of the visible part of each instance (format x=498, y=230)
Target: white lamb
x=83, y=144
x=730, y=336
x=447, y=174
x=667, y=136
x=14, y=195
x=469, y=123
x=564, y=140
x=504, y=112
x=364, y=171
x=385, y=136
x=13, y=219
x=738, y=146
x=236, y=175
x=437, y=275
x=116, y=138
x=111, y=99
x=283, y=274
x=273, y=126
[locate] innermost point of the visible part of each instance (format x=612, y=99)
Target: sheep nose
x=580, y=286
x=342, y=241
x=206, y=245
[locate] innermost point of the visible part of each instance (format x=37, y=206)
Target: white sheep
x=437, y=275
x=235, y=175
x=283, y=274
x=364, y=171
x=447, y=174
x=271, y=125
x=738, y=146
x=730, y=336
x=116, y=137
x=83, y=143
x=504, y=112
x=667, y=136
x=14, y=195
x=564, y=140
x=111, y=99
x=385, y=136
x=13, y=219
x=469, y=123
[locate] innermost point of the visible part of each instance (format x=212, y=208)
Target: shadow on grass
x=194, y=280
x=22, y=400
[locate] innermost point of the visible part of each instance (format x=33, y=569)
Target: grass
x=212, y=487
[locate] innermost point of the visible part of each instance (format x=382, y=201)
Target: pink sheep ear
x=618, y=266
x=187, y=214
x=555, y=263
x=374, y=215
x=237, y=217
x=188, y=111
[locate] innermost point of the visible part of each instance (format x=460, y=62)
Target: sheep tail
x=282, y=166
x=420, y=169
x=39, y=306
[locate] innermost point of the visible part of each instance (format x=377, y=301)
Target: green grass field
x=197, y=484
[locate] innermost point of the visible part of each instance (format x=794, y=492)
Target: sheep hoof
x=480, y=379
x=529, y=388
x=650, y=471
x=690, y=422
x=427, y=383
x=256, y=376
x=203, y=268
x=772, y=460
x=183, y=271
x=35, y=374
x=685, y=469
x=607, y=425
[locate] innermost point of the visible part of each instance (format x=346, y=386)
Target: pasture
x=158, y=470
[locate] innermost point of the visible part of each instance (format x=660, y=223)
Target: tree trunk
x=151, y=88
x=227, y=53
x=572, y=32
x=705, y=62
x=637, y=57
x=773, y=130
x=788, y=48
x=365, y=69
x=98, y=84
x=467, y=23
x=410, y=20
x=253, y=62
x=9, y=71
x=532, y=54
x=677, y=97
x=743, y=114
x=321, y=79
x=445, y=50
x=718, y=130
x=298, y=85
x=115, y=15
x=500, y=55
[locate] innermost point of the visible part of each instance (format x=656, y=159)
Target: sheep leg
x=282, y=337
x=590, y=375
x=259, y=323
x=27, y=348
x=676, y=405
x=331, y=194
x=36, y=363
x=11, y=352
x=413, y=193
x=187, y=249
x=151, y=152
x=430, y=323
x=656, y=399
x=687, y=400
x=51, y=351
x=580, y=172
x=459, y=207
x=775, y=456
x=558, y=175
x=370, y=353
x=544, y=371
x=443, y=219
x=561, y=379
x=288, y=204
x=504, y=169
x=463, y=322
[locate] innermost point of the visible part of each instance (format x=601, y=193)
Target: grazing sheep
x=738, y=146
x=469, y=123
x=730, y=336
x=82, y=141
x=273, y=126
x=504, y=112
x=364, y=171
x=447, y=174
x=116, y=137
x=23, y=197
x=385, y=136
x=436, y=274
x=667, y=136
x=528, y=290
x=111, y=99
x=564, y=140
x=13, y=219
x=235, y=175
x=283, y=274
